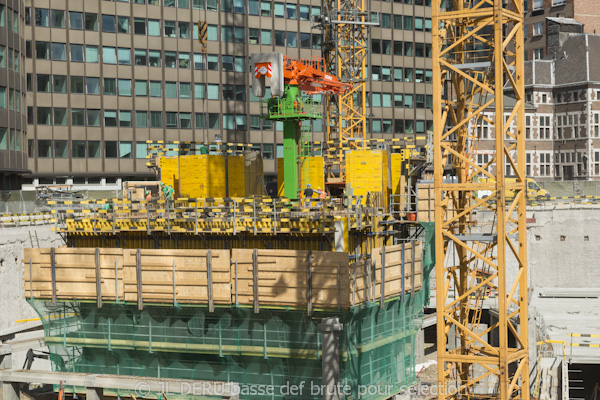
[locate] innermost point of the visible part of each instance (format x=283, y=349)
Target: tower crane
x=478, y=51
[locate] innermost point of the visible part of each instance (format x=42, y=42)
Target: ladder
x=574, y=381
x=304, y=164
x=31, y=238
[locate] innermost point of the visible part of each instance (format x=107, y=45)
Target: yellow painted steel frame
x=477, y=50
x=345, y=50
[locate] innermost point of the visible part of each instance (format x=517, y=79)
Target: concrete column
x=11, y=391
x=94, y=393
x=330, y=328
x=420, y=346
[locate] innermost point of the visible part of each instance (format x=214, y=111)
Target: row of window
x=398, y=48
x=14, y=99
x=237, y=5
x=10, y=139
x=399, y=74
x=187, y=90
x=184, y=120
x=13, y=59
x=9, y=18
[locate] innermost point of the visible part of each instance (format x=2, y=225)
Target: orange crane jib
x=310, y=76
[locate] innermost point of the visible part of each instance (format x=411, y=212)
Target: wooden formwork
x=258, y=278
x=401, y=273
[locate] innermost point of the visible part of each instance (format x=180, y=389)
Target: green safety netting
x=269, y=350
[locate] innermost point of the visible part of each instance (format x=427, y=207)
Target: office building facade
x=13, y=123
x=104, y=77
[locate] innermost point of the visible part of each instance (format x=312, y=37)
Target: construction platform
x=243, y=290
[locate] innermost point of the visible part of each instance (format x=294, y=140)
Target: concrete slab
x=564, y=316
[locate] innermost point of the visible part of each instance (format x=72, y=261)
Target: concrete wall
x=12, y=242
x=563, y=247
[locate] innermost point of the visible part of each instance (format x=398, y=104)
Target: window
x=213, y=91
x=199, y=61
x=304, y=12
x=44, y=116
x=538, y=29
x=59, y=52
x=108, y=23
x=279, y=10
x=78, y=117
x=124, y=56
x=279, y=38
x=141, y=121
x=170, y=29
x=42, y=17
x=140, y=57
x=184, y=60
x=385, y=21
x=155, y=89
x=139, y=26
x=76, y=52
x=200, y=122
x=77, y=85
x=170, y=59
x=185, y=120
x=265, y=37
x=58, y=19
x=94, y=149
x=255, y=122
x=92, y=85
x=408, y=23
x=43, y=83
x=212, y=33
x=110, y=149
x=291, y=11
x=538, y=54
x=153, y=27
x=91, y=22
x=265, y=8
x=185, y=90
x=91, y=54
x=154, y=58
x=45, y=148
x=171, y=90
x=42, y=51
x=213, y=121
x=124, y=87
x=93, y=117
x=156, y=119
x=184, y=30
x=212, y=62
x=124, y=118
x=110, y=118
x=110, y=86
x=211, y=5
x=538, y=5
x=199, y=91
x=78, y=148
x=292, y=39
x=109, y=55
x=141, y=88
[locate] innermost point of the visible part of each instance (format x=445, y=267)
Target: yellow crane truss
x=478, y=52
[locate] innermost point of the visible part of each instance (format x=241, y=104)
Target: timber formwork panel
x=249, y=277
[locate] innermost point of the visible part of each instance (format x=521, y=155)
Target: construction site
x=380, y=269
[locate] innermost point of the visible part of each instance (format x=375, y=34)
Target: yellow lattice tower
x=477, y=51
x=345, y=49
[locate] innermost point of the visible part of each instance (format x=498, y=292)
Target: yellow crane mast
x=478, y=52
x=345, y=48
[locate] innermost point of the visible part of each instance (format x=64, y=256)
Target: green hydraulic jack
x=292, y=108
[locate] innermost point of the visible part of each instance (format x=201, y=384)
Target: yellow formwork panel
x=204, y=175
x=367, y=172
x=398, y=177
x=312, y=172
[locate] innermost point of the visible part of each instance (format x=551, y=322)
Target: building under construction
x=258, y=291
